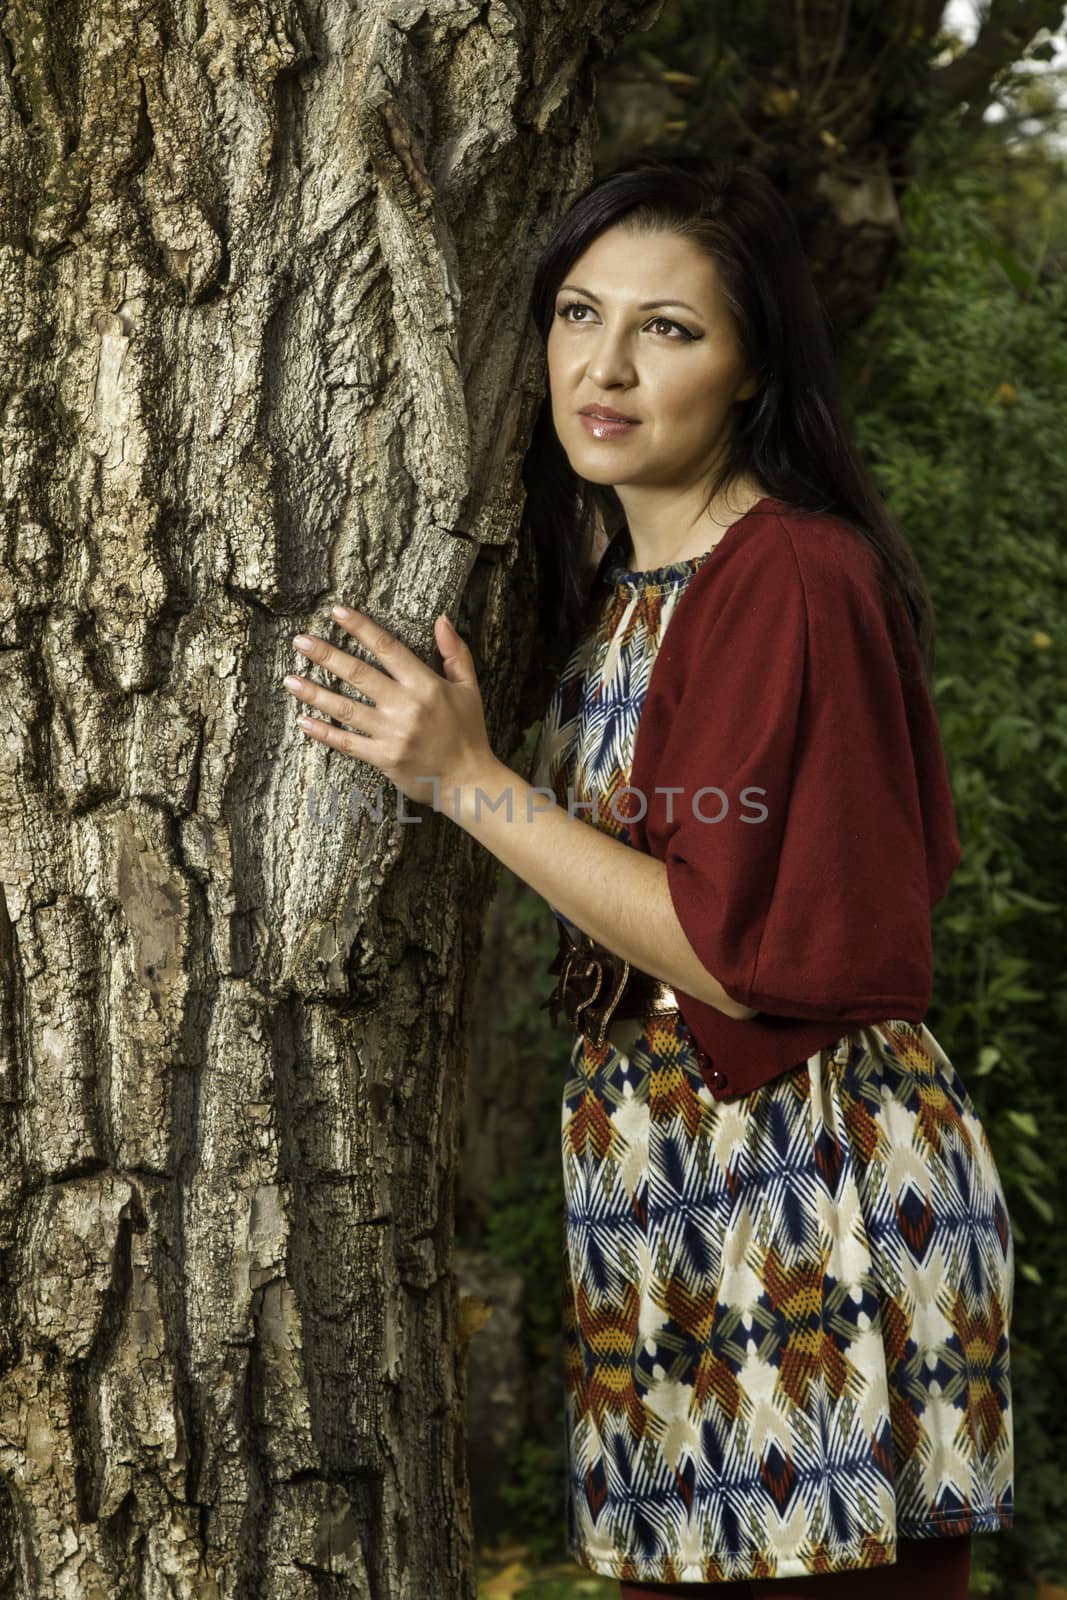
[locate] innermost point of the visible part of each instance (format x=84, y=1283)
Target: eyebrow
x=647, y=305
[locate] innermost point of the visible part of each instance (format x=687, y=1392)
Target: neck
x=663, y=542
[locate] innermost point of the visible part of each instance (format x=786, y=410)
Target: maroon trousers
x=925, y=1569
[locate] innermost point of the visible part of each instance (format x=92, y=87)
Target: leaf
x=1039, y=1203
x=507, y=1583
x=988, y=1057
x=780, y=102
x=473, y=1314
x=1047, y=50
x=1017, y=272
x=1032, y=903
x=1025, y=1122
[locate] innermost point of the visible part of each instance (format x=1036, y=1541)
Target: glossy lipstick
x=605, y=427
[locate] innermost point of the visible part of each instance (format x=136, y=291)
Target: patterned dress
x=785, y=1315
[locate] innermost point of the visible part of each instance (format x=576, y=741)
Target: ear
x=747, y=389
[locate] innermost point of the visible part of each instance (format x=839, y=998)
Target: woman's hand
x=421, y=726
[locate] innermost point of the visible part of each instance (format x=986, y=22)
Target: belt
x=594, y=985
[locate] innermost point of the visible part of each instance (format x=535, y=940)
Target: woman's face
x=676, y=369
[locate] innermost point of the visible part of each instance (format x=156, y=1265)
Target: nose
x=610, y=362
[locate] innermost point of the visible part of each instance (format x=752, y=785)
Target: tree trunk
x=265, y=346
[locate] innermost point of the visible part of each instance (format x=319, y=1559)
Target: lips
x=605, y=413
x=605, y=427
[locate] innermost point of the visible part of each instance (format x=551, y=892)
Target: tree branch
x=1008, y=28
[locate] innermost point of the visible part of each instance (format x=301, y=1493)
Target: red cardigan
x=789, y=680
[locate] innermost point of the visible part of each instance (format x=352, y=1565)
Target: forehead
x=624, y=266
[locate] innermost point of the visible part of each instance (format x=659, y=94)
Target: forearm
x=614, y=893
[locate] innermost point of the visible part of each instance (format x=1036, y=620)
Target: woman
x=788, y=1263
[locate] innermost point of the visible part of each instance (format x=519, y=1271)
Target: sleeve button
x=714, y=1078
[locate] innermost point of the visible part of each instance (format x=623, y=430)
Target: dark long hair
x=791, y=436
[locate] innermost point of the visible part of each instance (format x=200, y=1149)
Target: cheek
x=560, y=360
x=694, y=396
x=566, y=378
x=555, y=371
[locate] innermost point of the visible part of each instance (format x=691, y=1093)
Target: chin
x=593, y=454
x=596, y=471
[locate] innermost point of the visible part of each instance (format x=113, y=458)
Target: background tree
x=263, y=340
x=950, y=315
x=833, y=99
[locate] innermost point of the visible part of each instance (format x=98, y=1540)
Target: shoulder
x=787, y=563
x=784, y=543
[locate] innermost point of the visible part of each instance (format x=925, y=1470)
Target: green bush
x=959, y=384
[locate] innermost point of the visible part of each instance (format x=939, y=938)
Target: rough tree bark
x=263, y=282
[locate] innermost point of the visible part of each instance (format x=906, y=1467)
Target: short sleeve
x=795, y=855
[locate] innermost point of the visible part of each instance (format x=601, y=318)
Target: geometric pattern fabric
x=786, y=1315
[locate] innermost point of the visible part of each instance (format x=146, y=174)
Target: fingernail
x=343, y=611
x=302, y=642
x=292, y=683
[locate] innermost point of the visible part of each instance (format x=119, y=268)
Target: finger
x=402, y=664
x=360, y=674
x=457, y=659
x=342, y=707
x=350, y=744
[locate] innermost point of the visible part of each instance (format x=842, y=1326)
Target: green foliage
x=960, y=394
x=566, y=1581
x=534, y=1490
x=524, y=1229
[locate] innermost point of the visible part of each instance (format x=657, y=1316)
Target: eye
x=570, y=305
x=580, y=305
